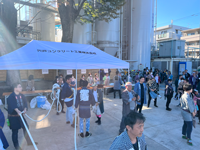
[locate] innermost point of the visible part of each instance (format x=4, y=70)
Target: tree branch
x=79, y=8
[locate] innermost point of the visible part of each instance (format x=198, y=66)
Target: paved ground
x=162, y=129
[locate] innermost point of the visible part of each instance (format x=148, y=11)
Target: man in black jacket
x=169, y=94
x=68, y=96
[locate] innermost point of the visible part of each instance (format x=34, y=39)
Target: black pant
x=62, y=104
x=149, y=100
x=15, y=137
x=122, y=125
x=169, y=98
x=141, y=105
x=180, y=95
x=119, y=91
x=176, y=95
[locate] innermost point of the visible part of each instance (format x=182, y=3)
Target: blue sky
x=180, y=11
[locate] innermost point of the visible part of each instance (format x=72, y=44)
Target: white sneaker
x=159, y=96
x=153, y=99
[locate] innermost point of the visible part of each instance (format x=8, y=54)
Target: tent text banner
x=59, y=55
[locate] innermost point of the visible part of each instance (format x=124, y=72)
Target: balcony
x=191, y=38
x=165, y=36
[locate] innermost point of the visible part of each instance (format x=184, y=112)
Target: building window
x=163, y=32
x=176, y=31
x=190, y=34
x=190, y=43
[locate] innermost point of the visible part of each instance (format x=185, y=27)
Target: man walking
x=140, y=88
x=117, y=84
x=67, y=95
x=169, y=94
x=84, y=99
x=16, y=104
x=128, y=95
x=132, y=138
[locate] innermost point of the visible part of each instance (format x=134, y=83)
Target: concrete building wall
x=192, y=42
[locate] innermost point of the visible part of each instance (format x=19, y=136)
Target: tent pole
x=128, y=74
x=75, y=114
x=76, y=86
x=99, y=77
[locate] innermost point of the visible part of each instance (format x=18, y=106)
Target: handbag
x=153, y=95
x=96, y=110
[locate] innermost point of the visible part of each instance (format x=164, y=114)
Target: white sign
x=69, y=72
x=140, y=67
x=45, y=71
x=83, y=71
x=105, y=70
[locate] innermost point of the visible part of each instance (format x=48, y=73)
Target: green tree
x=86, y=11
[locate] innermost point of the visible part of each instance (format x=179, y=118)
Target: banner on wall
x=83, y=71
x=45, y=71
x=69, y=72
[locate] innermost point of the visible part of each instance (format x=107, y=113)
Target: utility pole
x=155, y=27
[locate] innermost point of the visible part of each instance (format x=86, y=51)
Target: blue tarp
x=58, y=55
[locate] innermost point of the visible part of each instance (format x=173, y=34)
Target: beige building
x=192, y=42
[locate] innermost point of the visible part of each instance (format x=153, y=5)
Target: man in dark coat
x=67, y=95
x=16, y=104
x=2, y=136
x=169, y=94
x=98, y=97
x=84, y=99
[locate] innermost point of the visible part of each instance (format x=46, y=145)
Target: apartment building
x=169, y=32
x=192, y=42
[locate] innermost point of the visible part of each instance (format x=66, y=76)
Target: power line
x=182, y=18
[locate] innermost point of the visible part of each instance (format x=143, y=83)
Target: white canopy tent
x=56, y=55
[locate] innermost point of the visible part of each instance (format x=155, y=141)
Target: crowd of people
x=186, y=88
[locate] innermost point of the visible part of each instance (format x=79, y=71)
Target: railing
x=164, y=36
x=192, y=52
